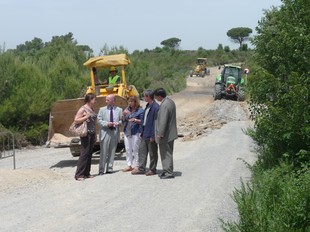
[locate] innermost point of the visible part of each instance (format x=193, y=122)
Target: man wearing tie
x=109, y=120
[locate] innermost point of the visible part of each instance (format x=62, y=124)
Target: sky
x=135, y=24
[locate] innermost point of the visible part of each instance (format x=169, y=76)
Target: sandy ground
x=41, y=194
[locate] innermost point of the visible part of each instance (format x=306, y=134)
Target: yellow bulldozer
x=63, y=111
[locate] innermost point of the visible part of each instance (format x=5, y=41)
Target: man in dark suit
x=166, y=131
x=148, y=144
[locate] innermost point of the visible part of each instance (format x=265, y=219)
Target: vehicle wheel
x=217, y=92
x=75, y=147
x=240, y=95
x=191, y=73
x=75, y=151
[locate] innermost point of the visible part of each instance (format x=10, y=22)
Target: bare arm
x=81, y=116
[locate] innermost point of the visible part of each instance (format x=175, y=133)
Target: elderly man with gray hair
x=109, y=120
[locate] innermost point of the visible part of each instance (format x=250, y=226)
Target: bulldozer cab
x=201, y=61
x=102, y=64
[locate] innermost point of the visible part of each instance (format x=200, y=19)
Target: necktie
x=111, y=114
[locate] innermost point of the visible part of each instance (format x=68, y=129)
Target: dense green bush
x=278, y=198
x=33, y=76
x=275, y=200
x=279, y=89
x=155, y=69
x=282, y=116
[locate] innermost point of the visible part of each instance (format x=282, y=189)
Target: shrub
x=275, y=200
x=278, y=198
x=36, y=134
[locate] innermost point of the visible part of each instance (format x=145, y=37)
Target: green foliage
x=37, y=73
x=244, y=47
x=34, y=75
x=239, y=34
x=220, y=47
x=36, y=134
x=283, y=40
x=276, y=200
x=279, y=88
x=227, y=49
x=172, y=43
x=19, y=139
x=106, y=50
x=282, y=116
x=156, y=69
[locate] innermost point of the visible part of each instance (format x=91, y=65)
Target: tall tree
x=173, y=43
x=239, y=34
x=282, y=51
x=220, y=47
x=35, y=44
x=106, y=50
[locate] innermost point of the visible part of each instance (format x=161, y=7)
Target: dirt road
x=41, y=195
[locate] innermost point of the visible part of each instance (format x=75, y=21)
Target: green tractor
x=228, y=83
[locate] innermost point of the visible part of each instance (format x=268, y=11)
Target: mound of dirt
x=198, y=113
x=214, y=116
x=59, y=140
x=25, y=178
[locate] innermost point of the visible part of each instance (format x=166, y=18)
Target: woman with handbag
x=86, y=113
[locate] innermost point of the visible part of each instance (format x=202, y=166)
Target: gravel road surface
x=41, y=194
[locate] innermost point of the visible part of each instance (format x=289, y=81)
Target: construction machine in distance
x=63, y=112
x=200, y=68
x=229, y=83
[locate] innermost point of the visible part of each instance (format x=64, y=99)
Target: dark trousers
x=148, y=147
x=84, y=162
x=166, y=155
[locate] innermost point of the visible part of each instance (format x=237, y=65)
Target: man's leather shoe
x=162, y=174
x=150, y=173
x=100, y=174
x=127, y=169
x=166, y=176
x=137, y=172
x=109, y=172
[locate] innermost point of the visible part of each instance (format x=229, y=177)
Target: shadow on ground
x=73, y=162
x=176, y=173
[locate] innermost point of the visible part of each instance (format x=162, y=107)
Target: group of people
x=145, y=132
